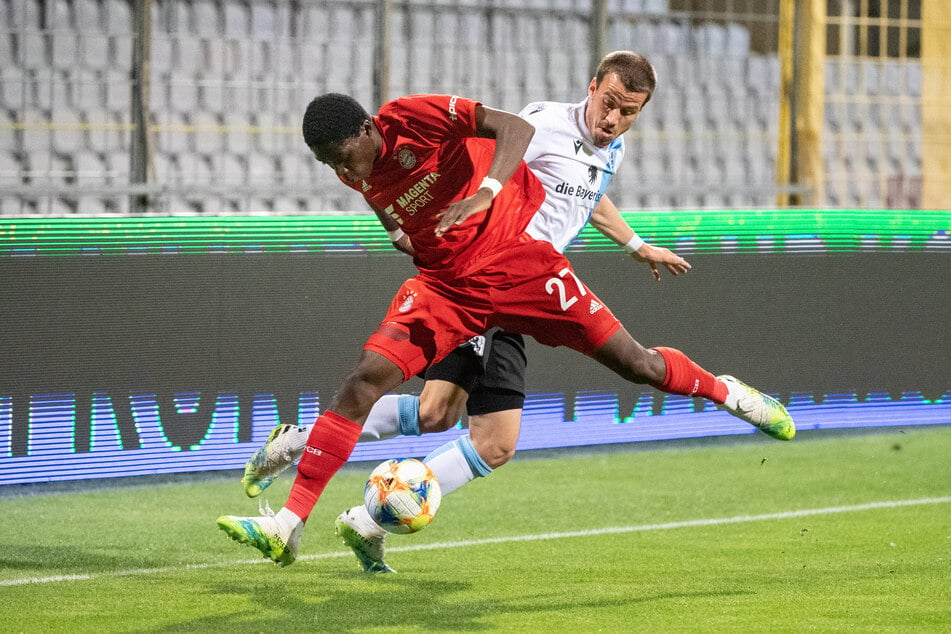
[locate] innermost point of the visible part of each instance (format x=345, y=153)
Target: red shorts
x=527, y=288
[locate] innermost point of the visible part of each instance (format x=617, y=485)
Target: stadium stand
x=230, y=78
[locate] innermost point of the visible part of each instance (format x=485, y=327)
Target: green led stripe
x=728, y=231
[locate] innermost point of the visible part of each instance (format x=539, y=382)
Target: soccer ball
x=402, y=496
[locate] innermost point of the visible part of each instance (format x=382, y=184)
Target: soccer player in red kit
x=445, y=177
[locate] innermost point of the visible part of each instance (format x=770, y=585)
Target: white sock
x=383, y=421
x=392, y=415
x=455, y=464
x=287, y=520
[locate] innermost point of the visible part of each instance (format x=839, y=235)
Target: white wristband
x=492, y=184
x=395, y=235
x=634, y=244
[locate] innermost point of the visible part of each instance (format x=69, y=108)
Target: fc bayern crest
x=406, y=158
x=407, y=302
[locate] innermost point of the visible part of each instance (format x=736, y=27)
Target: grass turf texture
x=151, y=560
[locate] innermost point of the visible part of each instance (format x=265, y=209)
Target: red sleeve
x=435, y=117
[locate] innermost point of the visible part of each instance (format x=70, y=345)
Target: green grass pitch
x=831, y=532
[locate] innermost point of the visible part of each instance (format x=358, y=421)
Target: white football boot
x=759, y=410
x=364, y=537
x=284, y=447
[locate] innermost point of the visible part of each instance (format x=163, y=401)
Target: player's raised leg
x=670, y=370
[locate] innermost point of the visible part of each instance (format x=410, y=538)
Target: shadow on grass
x=351, y=602
x=69, y=559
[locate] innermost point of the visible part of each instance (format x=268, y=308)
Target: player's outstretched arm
x=512, y=135
x=607, y=219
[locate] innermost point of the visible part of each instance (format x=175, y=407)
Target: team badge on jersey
x=406, y=158
x=407, y=301
x=592, y=174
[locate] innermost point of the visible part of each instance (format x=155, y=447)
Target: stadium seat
x=236, y=58
x=25, y=14
x=65, y=48
x=117, y=17
x=211, y=95
x=94, y=51
x=13, y=88
x=86, y=91
x=913, y=76
x=237, y=20
x=102, y=136
x=264, y=21
x=117, y=167
x=694, y=110
x=208, y=140
x=871, y=77
x=15, y=206
x=120, y=52
x=189, y=56
x=671, y=38
x=636, y=37
x=204, y=18
x=164, y=169
x=162, y=54
x=54, y=207
x=261, y=169
x=831, y=116
x=286, y=204
x=891, y=78
x=10, y=167
x=194, y=169
x=313, y=21
x=213, y=54
x=32, y=49
x=42, y=166
x=757, y=74
x=710, y=39
x=67, y=133
x=89, y=167
x=35, y=133
x=118, y=91
x=238, y=132
x=87, y=16
x=49, y=89
x=176, y=205
x=737, y=40
x=228, y=169
x=7, y=49
x=91, y=206
x=183, y=94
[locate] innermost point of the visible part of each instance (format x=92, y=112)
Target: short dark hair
x=332, y=118
x=636, y=72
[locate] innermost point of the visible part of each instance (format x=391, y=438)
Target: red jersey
x=432, y=158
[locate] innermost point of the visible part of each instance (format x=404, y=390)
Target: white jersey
x=574, y=171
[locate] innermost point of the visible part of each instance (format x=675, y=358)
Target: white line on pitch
x=739, y=519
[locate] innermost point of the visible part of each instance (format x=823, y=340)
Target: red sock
x=328, y=446
x=686, y=378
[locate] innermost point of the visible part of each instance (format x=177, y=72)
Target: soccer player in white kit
x=576, y=150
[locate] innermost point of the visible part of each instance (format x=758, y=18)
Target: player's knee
x=494, y=453
x=631, y=360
